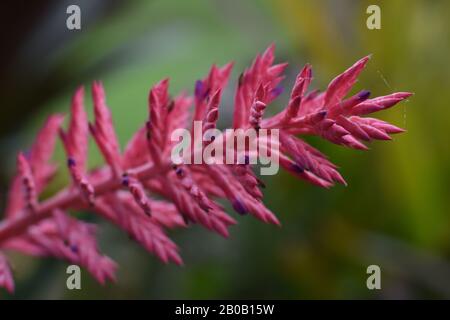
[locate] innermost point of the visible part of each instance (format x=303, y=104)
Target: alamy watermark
x=373, y=21
x=73, y=281
x=374, y=280
x=73, y=21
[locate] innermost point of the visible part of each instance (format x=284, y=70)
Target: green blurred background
x=394, y=213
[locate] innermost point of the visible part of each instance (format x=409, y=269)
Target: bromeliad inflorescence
x=123, y=190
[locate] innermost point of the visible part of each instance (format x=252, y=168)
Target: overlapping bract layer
x=123, y=191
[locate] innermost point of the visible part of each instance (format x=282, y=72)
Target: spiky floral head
x=123, y=190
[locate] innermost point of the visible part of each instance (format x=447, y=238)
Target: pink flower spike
x=138, y=192
x=196, y=193
x=344, y=107
x=310, y=159
x=379, y=103
x=79, y=237
x=188, y=193
x=77, y=136
x=247, y=178
x=28, y=183
x=216, y=79
x=6, y=278
x=179, y=116
x=103, y=129
x=375, y=133
x=351, y=142
x=39, y=157
x=313, y=120
x=261, y=73
x=277, y=69
x=268, y=56
x=212, y=112
x=166, y=214
x=299, y=171
x=302, y=82
x=42, y=150
x=159, y=105
x=80, y=180
x=256, y=114
x=341, y=85
x=15, y=201
x=139, y=227
x=292, y=108
x=379, y=124
x=75, y=143
x=353, y=128
x=136, y=152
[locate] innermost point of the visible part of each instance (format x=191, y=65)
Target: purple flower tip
x=71, y=162
x=363, y=95
x=297, y=168
x=198, y=89
x=239, y=207
x=323, y=114
x=125, y=180
x=27, y=154
x=277, y=91
x=179, y=171
x=74, y=248
x=206, y=95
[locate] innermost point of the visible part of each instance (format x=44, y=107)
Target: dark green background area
x=394, y=213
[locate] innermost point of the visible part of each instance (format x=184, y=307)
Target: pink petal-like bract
x=6, y=278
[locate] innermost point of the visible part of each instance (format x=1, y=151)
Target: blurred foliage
x=395, y=211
